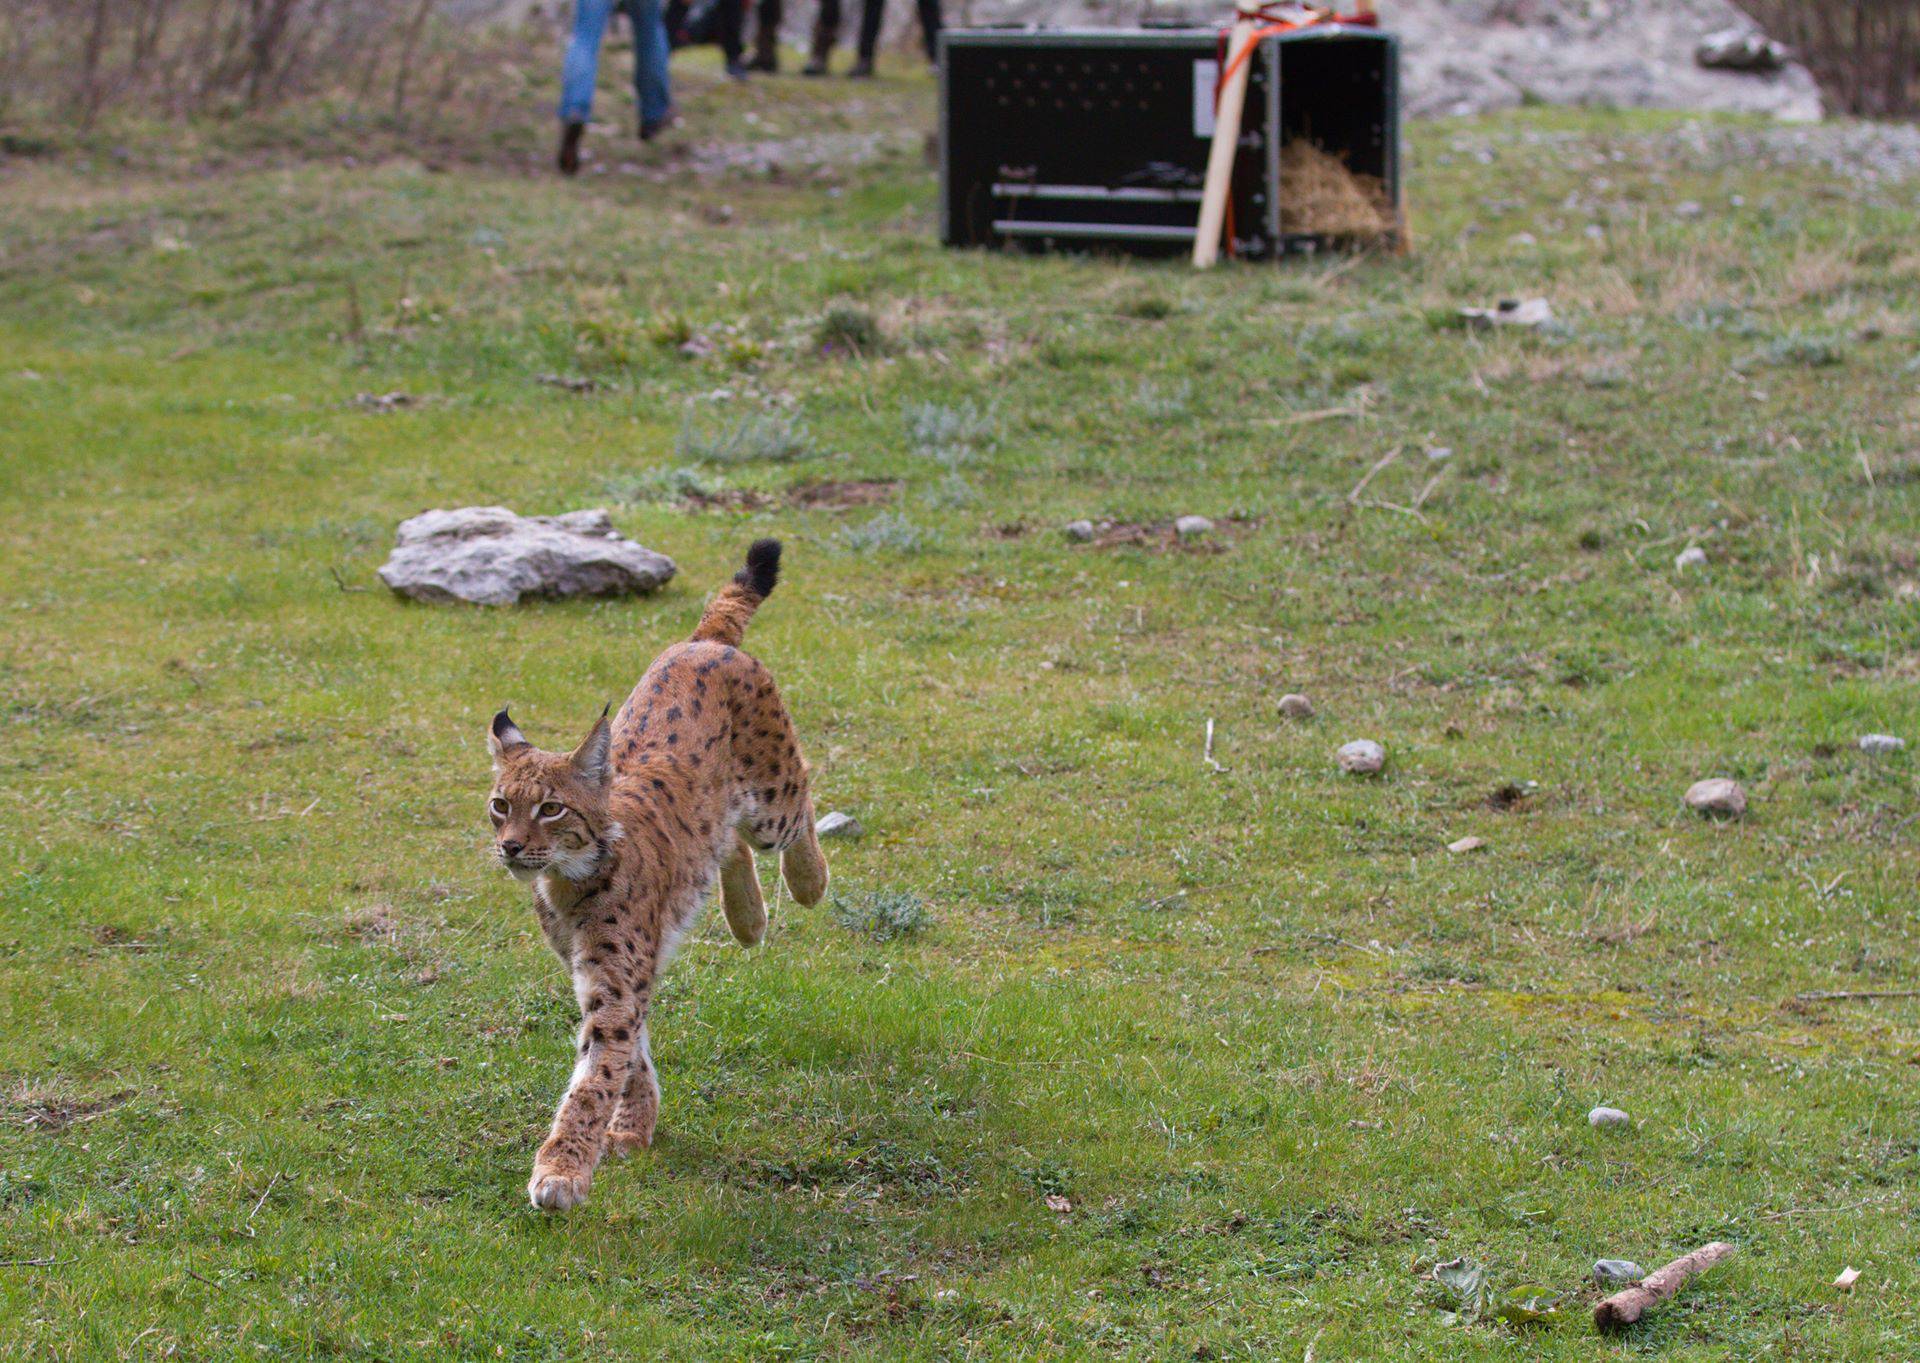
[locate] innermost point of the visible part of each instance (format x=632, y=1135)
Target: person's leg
x=731, y=20
x=577, y=76
x=582, y=65
x=651, y=90
x=930, y=28
x=766, y=37
x=826, y=28
x=871, y=13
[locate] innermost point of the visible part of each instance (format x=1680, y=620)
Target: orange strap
x=1276, y=26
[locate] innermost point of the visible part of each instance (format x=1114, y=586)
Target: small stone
x=1362, y=757
x=1189, y=526
x=1080, y=532
x=1296, y=706
x=1607, y=1116
x=1848, y=1277
x=1617, y=1272
x=1466, y=844
x=1717, y=797
x=1511, y=312
x=1693, y=556
x=1874, y=745
x=838, y=825
x=1439, y=454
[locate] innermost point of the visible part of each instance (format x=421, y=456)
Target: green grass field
x=277, y=1045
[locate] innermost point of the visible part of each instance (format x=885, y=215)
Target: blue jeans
x=583, y=58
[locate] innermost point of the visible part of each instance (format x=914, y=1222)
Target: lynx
x=621, y=840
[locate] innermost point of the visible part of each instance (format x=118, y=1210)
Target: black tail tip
x=763, y=568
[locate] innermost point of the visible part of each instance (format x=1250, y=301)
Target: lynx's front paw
x=554, y=1190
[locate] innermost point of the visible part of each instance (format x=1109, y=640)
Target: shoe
x=860, y=70
x=651, y=128
x=816, y=67
x=737, y=69
x=765, y=64
x=569, y=157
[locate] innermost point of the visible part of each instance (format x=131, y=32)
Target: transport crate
x=1061, y=138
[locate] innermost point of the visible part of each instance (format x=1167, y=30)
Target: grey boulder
x=492, y=557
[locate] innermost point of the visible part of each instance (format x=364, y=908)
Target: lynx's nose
x=511, y=848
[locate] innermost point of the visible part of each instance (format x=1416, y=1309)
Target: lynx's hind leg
x=740, y=894
x=802, y=864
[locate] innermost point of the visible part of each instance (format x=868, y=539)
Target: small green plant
x=759, y=438
x=952, y=491
x=1149, y=307
x=660, y=485
x=934, y=427
x=1163, y=402
x=846, y=329
x=888, y=532
x=882, y=915
x=1797, y=349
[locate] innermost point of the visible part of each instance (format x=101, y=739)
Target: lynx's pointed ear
x=503, y=736
x=591, y=758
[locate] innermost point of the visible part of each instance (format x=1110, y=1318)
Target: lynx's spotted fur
x=623, y=837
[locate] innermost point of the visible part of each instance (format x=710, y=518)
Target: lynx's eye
x=498, y=807
x=549, y=810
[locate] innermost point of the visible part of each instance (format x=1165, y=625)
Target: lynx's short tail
x=734, y=604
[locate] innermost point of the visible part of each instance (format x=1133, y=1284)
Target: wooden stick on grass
x=1626, y=1306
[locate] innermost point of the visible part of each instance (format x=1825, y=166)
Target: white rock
x=1693, y=556
x=837, y=825
x=1848, y=1277
x=1717, y=796
x=1079, y=531
x=1607, y=1116
x=1879, y=745
x=490, y=556
x=1617, y=1272
x=1362, y=757
x=1466, y=844
x=1439, y=453
x=1296, y=706
x=1511, y=312
x=1189, y=526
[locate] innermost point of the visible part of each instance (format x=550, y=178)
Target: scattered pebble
x=1693, y=556
x=1080, y=532
x=1617, y=1272
x=1718, y=797
x=1607, y=1116
x=1189, y=526
x=1511, y=312
x=1362, y=757
x=1848, y=1277
x=1874, y=745
x=837, y=825
x=1466, y=844
x=1296, y=706
x=1438, y=453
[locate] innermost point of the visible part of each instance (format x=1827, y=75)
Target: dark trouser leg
x=730, y=23
x=826, y=30
x=766, y=33
x=871, y=13
x=930, y=28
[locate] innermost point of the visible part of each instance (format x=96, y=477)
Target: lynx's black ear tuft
x=503, y=735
